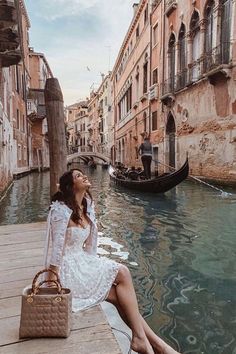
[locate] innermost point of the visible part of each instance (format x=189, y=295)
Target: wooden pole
x=56, y=132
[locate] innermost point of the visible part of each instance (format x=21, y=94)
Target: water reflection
x=180, y=248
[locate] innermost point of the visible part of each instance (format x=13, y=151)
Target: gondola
x=159, y=184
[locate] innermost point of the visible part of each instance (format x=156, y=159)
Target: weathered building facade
x=36, y=111
x=174, y=79
x=198, y=88
x=10, y=54
x=77, y=121
x=16, y=84
x=130, y=76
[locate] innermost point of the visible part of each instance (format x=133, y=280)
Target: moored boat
x=159, y=184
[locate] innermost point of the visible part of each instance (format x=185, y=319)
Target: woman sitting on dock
x=92, y=279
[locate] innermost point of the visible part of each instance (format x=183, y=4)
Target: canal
x=180, y=248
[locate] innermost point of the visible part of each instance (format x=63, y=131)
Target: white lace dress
x=88, y=276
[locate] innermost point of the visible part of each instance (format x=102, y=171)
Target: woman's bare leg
x=159, y=346
x=128, y=302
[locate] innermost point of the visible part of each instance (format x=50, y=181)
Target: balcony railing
x=194, y=71
x=168, y=86
x=181, y=79
x=216, y=57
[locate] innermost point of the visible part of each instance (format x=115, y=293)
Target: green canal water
x=180, y=248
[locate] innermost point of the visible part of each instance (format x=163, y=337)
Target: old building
x=131, y=76
x=36, y=111
x=156, y=40
x=20, y=85
x=93, y=122
x=77, y=121
x=10, y=54
x=198, y=87
x=105, y=123
x=174, y=79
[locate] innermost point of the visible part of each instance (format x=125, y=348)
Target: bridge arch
x=88, y=155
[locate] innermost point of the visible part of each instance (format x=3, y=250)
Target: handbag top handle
x=46, y=270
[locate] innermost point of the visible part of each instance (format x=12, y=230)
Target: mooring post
x=56, y=132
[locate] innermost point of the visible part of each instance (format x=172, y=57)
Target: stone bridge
x=88, y=156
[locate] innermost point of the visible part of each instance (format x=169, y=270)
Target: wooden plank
x=21, y=246
x=18, y=274
x=9, y=326
x=21, y=256
x=16, y=228
x=19, y=263
x=16, y=238
x=11, y=255
x=93, y=340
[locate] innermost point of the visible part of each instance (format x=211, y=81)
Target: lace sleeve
x=91, y=242
x=59, y=222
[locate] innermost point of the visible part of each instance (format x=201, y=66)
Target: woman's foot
x=165, y=349
x=141, y=345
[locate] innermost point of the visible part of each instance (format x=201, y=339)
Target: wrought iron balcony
x=171, y=5
x=216, y=57
x=168, y=89
x=181, y=79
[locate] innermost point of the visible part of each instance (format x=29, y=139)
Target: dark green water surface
x=180, y=248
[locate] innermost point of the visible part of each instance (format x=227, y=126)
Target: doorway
x=170, y=131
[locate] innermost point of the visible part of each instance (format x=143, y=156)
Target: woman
x=92, y=279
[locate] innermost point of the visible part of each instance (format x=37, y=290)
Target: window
x=171, y=56
x=209, y=26
x=17, y=119
x=155, y=35
x=137, y=84
x=182, y=77
x=196, y=52
x=25, y=154
x=145, y=75
x=155, y=76
x=146, y=15
x=137, y=32
x=125, y=104
x=154, y=120
x=17, y=79
x=23, y=123
x=19, y=157
x=226, y=18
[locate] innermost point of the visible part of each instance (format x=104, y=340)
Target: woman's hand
x=51, y=276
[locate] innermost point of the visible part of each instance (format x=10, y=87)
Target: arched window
x=170, y=132
x=145, y=74
x=196, y=49
x=171, y=55
x=182, y=57
x=209, y=26
x=226, y=19
x=137, y=83
x=144, y=121
x=209, y=56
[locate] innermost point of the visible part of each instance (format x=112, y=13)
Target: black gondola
x=159, y=184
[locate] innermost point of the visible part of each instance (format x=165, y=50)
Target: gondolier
x=146, y=156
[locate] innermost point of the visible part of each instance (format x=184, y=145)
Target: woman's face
x=81, y=182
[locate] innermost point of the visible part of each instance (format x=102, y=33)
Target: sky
x=80, y=39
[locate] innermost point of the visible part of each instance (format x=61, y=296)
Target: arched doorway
x=170, y=132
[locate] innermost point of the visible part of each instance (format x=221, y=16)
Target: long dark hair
x=66, y=195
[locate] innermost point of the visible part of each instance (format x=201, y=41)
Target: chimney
x=135, y=7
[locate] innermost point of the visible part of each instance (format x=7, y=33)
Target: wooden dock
x=21, y=254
